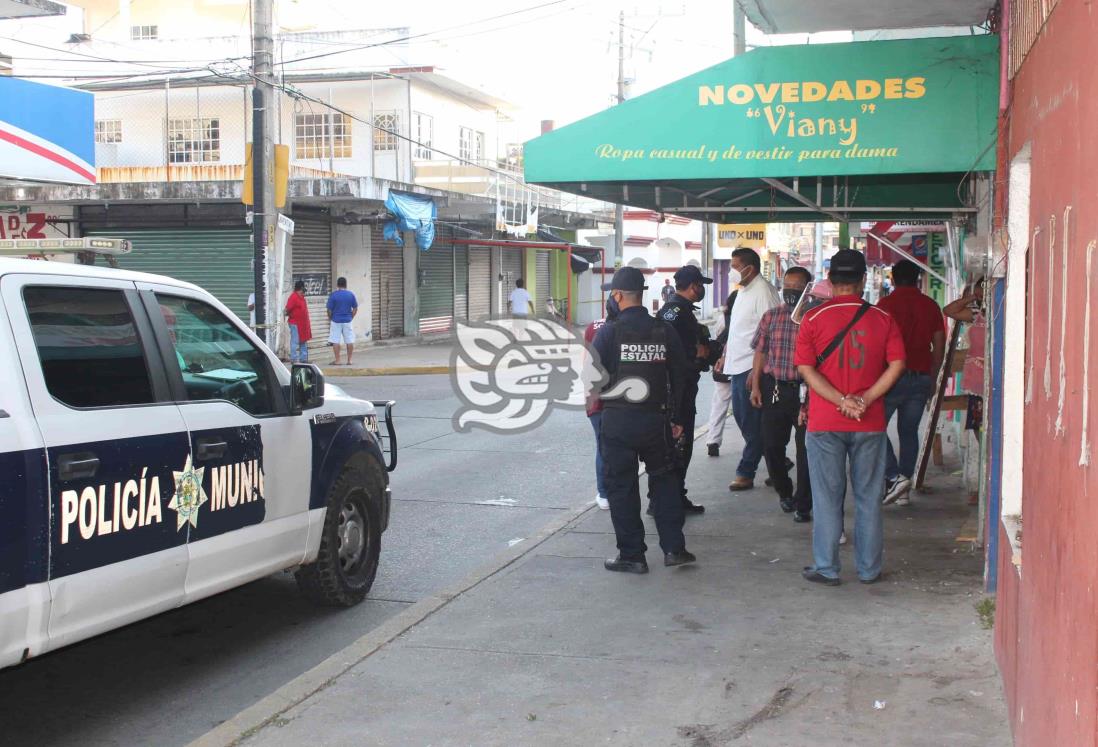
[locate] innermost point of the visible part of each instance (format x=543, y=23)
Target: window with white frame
x=471, y=145
x=386, y=130
x=194, y=140
x=424, y=134
x=143, y=33
x=322, y=135
x=108, y=130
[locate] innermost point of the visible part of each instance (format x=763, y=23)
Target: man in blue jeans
x=850, y=354
x=755, y=298
x=923, y=328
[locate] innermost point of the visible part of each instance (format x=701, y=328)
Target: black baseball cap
x=689, y=274
x=848, y=261
x=626, y=279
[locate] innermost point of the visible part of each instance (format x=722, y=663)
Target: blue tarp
x=413, y=213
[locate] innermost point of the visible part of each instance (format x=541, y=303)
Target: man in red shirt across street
x=301, y=329
x=851, y=354
x=923, y=329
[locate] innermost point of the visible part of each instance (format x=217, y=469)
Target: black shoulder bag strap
x=839, y=337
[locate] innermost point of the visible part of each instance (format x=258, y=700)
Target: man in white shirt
x=755, y=298
x=521, y=305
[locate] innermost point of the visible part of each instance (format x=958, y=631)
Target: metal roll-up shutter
x=541, y=286
x=511, y=264
x=312, y=262
x=480, y=282
x=461, y=281
x=436, y=289
x=216, y=259
x=386, y=286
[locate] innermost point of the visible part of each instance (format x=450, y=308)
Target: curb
x=332, y=372
x=249, y=721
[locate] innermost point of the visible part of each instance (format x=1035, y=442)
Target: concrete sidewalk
x=431, y=357
x=546, y=647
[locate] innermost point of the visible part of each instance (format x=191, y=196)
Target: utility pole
x=619, y=211
x=739, y=30
x=264, y=212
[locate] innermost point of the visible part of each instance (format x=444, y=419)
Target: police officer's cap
x=626, y=279
x=688, y=275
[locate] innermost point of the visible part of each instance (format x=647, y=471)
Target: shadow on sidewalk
x=735, y=650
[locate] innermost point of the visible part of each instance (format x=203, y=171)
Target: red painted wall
x=1047, y=620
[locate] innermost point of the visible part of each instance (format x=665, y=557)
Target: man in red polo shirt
x=301, y=328
x=850, y=354
x=923, y=329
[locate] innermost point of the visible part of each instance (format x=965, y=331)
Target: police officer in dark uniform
x=700, y=353
x=642, y=414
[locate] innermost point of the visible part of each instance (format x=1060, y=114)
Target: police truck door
x=254, y=458
x=116, y=450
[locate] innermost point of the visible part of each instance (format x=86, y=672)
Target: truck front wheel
x=350, y=543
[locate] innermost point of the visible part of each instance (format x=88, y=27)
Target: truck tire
x=350, y=542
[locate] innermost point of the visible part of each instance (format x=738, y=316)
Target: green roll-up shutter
x=218, y=260
x=436, y=289
x=461, y=282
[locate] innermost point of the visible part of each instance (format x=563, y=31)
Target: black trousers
x=630, y=436
x=689, y=419
x=779, y=417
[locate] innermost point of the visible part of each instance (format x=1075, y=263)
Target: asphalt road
x=459, y=499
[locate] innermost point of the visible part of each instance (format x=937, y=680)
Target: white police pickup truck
x=153, y=452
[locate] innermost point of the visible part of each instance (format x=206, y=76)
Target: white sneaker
x=842, y=538
x=896, y=488
x=904, y=500
x=602, y=503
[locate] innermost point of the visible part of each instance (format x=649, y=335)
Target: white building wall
x=145, y=114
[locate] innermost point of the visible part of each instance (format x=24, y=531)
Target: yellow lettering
x=868, y=89
x=791, y=92
x=740, y=93
x=710, y=95
x=805, y=128
x=894, y=88
x=840, y=91
x=915, y=88
x=767, y=92
x=812, y=91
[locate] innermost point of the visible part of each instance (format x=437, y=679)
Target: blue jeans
x=749, y=419
x=908, y=398
x=600, y=481
x=828, y=453
x=299, y=351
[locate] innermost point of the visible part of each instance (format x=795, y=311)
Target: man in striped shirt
x=775, y=388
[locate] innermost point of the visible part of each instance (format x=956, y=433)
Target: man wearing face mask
x=643, y=408
x=756, y=297
x=776, y=390
x=679, y=313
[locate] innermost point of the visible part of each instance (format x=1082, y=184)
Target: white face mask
x=734, y=276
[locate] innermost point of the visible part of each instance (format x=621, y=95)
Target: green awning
x=866, y=130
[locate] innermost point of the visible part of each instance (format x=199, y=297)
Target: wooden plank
x=936, y=405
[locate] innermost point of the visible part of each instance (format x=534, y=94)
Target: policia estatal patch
x=643, y=352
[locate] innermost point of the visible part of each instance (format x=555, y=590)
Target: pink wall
x=1047, y=620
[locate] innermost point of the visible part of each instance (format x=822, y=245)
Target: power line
x=430, y=33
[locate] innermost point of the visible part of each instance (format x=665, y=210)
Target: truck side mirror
x=306, y=388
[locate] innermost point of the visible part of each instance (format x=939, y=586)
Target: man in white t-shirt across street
x=755, y=298
x=521, y=305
